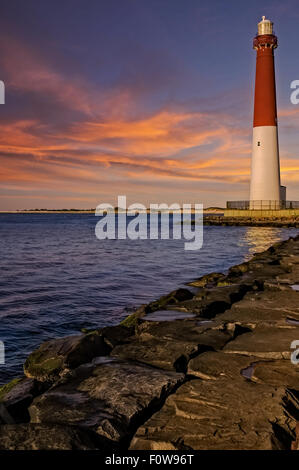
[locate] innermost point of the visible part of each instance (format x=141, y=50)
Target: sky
x=152, y=99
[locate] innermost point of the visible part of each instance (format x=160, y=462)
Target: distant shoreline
x=216, y=211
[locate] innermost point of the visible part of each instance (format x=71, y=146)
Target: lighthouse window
x=258, y=144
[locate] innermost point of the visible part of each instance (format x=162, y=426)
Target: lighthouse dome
x=265, y=27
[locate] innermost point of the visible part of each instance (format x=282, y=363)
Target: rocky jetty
x=288, y=222
x=206, y=367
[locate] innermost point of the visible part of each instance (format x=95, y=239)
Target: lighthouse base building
x=266, y=192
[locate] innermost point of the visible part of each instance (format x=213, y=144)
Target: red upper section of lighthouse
x=265, y=40
x=265, y=113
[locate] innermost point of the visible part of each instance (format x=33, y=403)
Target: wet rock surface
x=47, y=437
x=202, y=368
x=107, y=397
x=171, y=345
x=223, y=413
x=270, y=342
x=17, y=400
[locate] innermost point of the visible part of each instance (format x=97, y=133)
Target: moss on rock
x=43, y=369
x=131, y=320
x=239, y=269
x=224, y=283
x=4, y=389
x=176, y=296
x=203, y=281
x=47, y=362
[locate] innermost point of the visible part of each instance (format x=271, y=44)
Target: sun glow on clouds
x=108, y=143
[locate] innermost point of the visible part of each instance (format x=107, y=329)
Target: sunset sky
x=152, y=99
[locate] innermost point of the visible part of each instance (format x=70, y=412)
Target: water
x=57, y=277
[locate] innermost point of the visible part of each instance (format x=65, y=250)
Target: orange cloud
x=118, y=152
x=163, y=134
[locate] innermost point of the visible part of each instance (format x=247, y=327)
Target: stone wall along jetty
x=287, y=222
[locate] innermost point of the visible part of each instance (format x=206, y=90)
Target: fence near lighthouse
x=262, y=205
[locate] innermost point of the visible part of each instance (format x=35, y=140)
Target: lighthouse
x=266, y=191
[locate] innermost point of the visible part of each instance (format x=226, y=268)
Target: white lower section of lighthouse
x=265, y=172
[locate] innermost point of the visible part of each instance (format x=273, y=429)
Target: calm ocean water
x=57, y=277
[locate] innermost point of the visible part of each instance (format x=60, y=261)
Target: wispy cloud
x=106, y=143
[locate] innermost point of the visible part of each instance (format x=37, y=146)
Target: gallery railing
x=262, y=205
